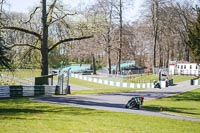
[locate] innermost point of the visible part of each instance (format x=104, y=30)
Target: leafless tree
x=49, y=17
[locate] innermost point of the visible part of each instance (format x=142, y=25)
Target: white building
x=184, y=68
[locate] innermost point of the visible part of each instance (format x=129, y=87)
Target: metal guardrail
x=24, y=91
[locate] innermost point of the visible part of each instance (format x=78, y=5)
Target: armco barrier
x=24, y=91
x=195, y=82
x=113, y=83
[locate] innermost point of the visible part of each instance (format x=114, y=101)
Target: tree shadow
x=17, y=110
x=177, y=110
x=31, y=108
x=146, y=94
x=85, y=101
x=187, y=96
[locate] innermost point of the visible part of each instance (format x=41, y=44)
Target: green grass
x=179, y=78
x=22, y=116
x=187, y=104
x=23, y=73
x=141, y=78
x=96, y=88
x=100, y=88
x=8, y=82
x=151, y=77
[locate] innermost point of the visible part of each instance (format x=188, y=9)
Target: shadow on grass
x=172, y=109
x=147, y=94
x=46, y=109
x=17, y=110
x=21, y=107
x=85, y=101
x=188, y=96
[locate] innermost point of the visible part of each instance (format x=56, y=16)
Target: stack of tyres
x=39, y=91
x=16, y=91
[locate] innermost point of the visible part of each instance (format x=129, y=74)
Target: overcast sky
x=25, y=6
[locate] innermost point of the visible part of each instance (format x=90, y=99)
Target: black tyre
x=132, y=105
x=138, y=107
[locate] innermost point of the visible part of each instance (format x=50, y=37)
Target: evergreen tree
x=4, y=61
x=194, y=39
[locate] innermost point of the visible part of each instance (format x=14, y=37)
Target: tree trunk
x=187, y=58
x=108, y=41
x=94, y=64
x=44, y=45
x=161, y=56
x=155, y=30
x=109, y=61
x=120, y=37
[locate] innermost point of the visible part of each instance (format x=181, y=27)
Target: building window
x=184, y=66
x=196, y=67
x=181, y=66
x=190, y=66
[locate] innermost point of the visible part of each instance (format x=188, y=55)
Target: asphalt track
x=116, y=101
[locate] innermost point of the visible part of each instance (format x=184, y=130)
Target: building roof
x=180, y=62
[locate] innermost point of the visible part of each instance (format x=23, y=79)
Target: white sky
x=25, y=5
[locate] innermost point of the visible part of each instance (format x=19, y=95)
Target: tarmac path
x=116, y=101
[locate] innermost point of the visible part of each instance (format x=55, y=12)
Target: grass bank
x=22, y=73
x=95, y=88
x=22, y=115
x=151, y=77
x=187, y=104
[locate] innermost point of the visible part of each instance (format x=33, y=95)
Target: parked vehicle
x=87, y=72
x=157, y=84
x=135, y=102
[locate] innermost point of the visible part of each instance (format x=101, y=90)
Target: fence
x=114, y=83
x=187, y=72
x=25, y=91
x=157, y=70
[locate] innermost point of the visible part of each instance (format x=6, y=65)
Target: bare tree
x=154, y=10
x=120, y=35
x=48, y=18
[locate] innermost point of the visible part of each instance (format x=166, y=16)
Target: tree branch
x=50, y=12
x=23, y=30
x=28, y=45
x=68, y=40
x=31, y=16
x=60, y=18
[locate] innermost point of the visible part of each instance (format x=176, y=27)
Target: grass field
x=22, y=116
x=187, y=104
x=179, y=78
x=7, y=82
x=100, y=88
x=141, y=78
x=96, y=88
x=23, y=73
x=151, y=77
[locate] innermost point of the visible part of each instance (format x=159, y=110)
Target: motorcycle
x=135, y=102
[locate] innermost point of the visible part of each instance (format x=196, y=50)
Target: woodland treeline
x=99, y=34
